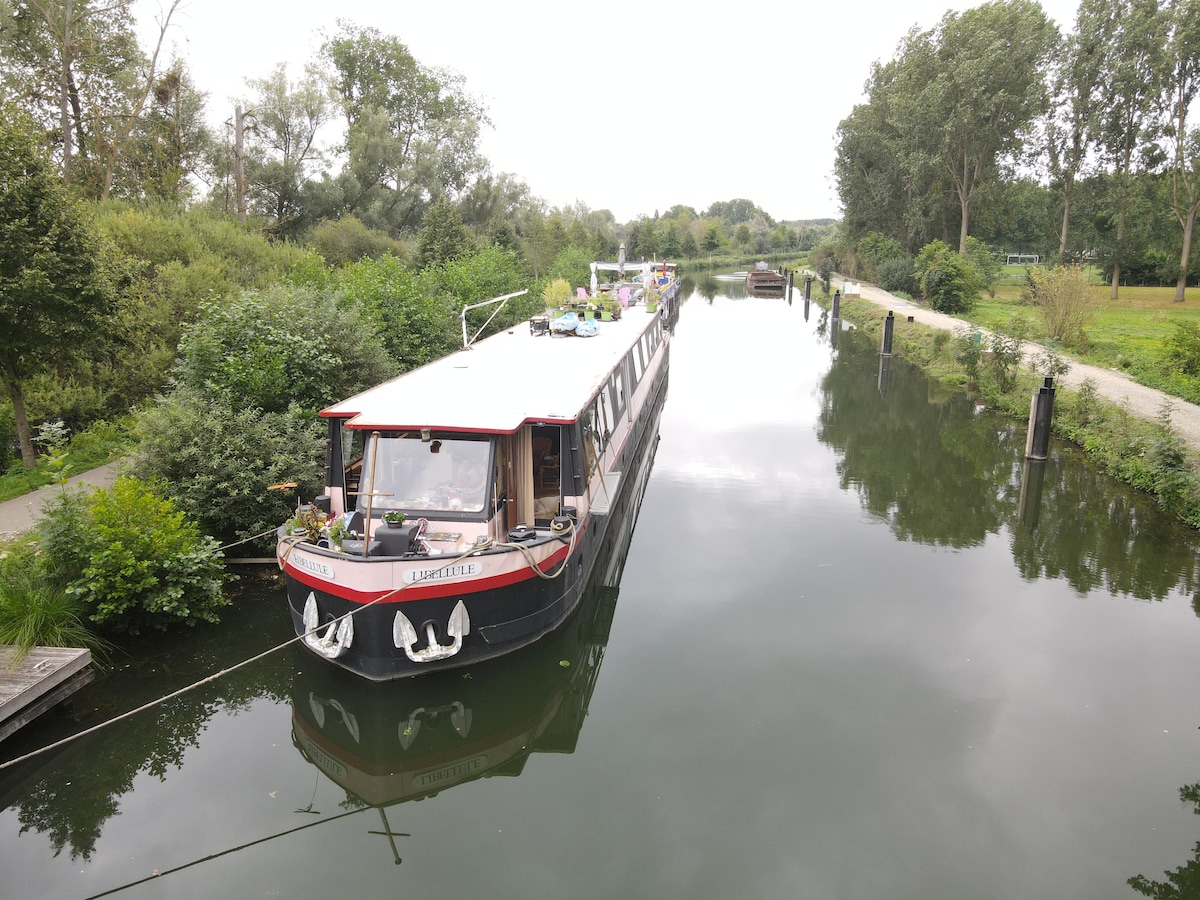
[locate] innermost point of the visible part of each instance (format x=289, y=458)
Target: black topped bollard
x=889, y=325
x=808, y=288
x=837, y=302
x=1041, y=409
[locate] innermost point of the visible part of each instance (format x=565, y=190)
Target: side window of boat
x=616, y=389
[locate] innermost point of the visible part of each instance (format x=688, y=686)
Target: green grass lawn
x=1127, y=333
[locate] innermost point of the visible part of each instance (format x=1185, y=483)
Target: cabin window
x=445, y=474
x=616, y=388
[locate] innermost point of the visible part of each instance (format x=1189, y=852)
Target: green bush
x=284, y=344
x=1181, y=350
x=347, y=240
x=947, y=280
x=896, y=276
x=132, y=558
x=217, y=461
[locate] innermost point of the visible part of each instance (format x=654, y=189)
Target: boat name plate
x=445, y=573
x=452, y=772
x=323, y=760
x=315, y=566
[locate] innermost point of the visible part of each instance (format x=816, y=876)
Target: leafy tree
x=888, y=179
x=282, y=154
x=1075, y=81
x=574, y=265
x=415, y=325
x=412, y=131
x=252, y=375
x=491, y=199
x=77, y=68
x=782, y=239
x=56, y=287
x=687, y=246
x=713, y=238
x=443, y=236
x=1129, y=36
x=989, y=91
x=955, y=102
x=169, y=144
x=670, y=241
x=735, y=212
x=280, y=346
x=875, y=249
x=487, y=273
x=1182, y=82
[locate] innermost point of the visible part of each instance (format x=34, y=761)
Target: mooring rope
x=246, y=540
x=253, y=659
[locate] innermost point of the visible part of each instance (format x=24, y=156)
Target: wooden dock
x=46, y=676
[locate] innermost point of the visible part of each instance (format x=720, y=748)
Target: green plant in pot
x=337, y=531
x=307, y=523
x=394, y=518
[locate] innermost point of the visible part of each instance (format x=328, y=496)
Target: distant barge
x=763, y=281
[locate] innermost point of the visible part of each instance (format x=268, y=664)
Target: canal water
x=854, y=647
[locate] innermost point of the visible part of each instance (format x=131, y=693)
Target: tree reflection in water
x=1184, y=882
x=922, y=461
x=71, y=805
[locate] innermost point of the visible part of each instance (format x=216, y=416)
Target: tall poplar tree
x=1182, y=83
x=1129, y=35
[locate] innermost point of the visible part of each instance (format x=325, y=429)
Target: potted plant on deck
x=394, y=518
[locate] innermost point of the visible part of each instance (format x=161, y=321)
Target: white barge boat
x=504, y=460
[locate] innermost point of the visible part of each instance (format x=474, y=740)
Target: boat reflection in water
x=386, y=743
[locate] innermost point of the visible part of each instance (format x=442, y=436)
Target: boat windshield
x=411, y=474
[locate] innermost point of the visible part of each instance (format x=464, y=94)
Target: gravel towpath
x=1141, y=401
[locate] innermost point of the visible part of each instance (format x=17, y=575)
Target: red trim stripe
x=416, y=592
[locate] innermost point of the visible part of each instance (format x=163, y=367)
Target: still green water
x=854, y=648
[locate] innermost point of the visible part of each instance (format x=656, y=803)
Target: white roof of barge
x=499, y=384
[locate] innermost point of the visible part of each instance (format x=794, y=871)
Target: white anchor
x=335, y=640
x=404, y=636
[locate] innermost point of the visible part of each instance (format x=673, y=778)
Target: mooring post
x=889, y=325
x=1041, y=409
x=837, y=302
x=808, y=287
x=1029, y=504
x=885, y=373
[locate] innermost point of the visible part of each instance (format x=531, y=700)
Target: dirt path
x=1141, y=401
x=19, y=514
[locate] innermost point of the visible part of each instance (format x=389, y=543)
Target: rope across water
x=325, y=625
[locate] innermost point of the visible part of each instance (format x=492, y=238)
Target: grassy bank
x=1129, y=334
x=1145, y=454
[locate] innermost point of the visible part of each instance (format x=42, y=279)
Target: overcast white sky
x=627, y=105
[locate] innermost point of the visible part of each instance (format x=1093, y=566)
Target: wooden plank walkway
x=43, y=678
